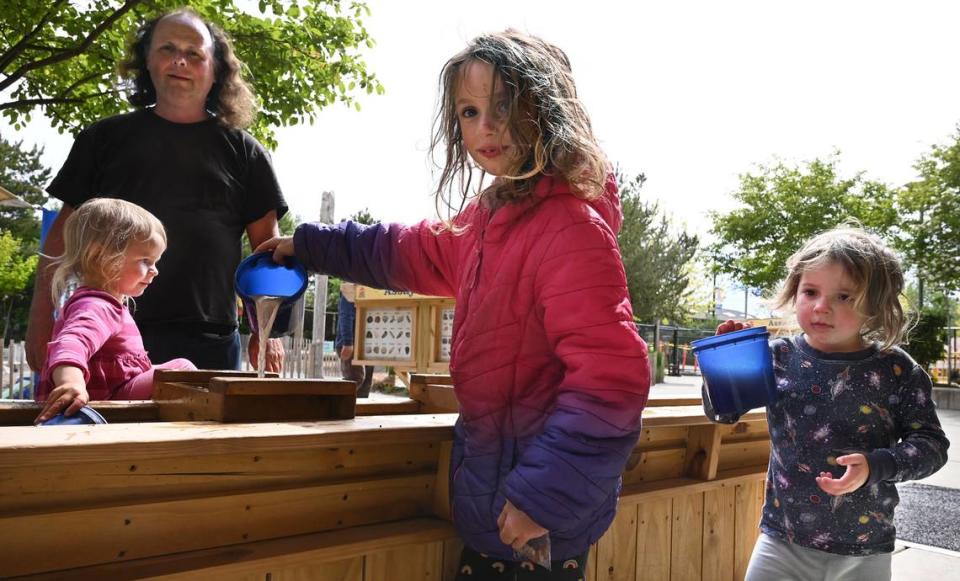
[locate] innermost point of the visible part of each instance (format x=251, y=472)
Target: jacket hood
x=607, y=205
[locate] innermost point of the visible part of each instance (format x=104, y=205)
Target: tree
x=60, y=56
x=782, y=207
x=930, y=236
x=22, y=173
x=333, y=284
x=658, y=260
x=364, y=217
x=16, y=272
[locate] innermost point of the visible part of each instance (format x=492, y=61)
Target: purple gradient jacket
x=550, y=373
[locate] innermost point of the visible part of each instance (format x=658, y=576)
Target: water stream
x=266, y=308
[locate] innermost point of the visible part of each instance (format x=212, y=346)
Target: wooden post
x=320, y=295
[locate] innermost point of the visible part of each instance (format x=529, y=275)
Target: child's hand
x=856, y=475
x=281, y=246
x=730, y=326
x=346, y=352
x=516, y=528
x=70, y=394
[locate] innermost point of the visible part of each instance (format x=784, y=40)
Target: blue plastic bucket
x=258, y=275
x=737, y=370
x=86, y=415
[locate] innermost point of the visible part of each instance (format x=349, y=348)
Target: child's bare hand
x=856, y=475
x=282, y=247
x=516, y=528
x=730, y=326
x=71, y=396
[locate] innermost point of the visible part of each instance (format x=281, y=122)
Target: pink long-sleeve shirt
x=95, y=333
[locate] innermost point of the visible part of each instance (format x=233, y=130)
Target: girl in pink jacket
x=111, y=249
x=549, y=371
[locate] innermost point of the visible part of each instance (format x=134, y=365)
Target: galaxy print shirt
x=877, y=403
x=873, y=402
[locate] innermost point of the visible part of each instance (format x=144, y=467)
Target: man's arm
x=40, y=324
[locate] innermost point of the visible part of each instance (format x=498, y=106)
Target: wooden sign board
x=403, y=330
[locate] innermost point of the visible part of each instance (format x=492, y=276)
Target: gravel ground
x=929, y=515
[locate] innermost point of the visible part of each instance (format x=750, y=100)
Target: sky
x=690, y=93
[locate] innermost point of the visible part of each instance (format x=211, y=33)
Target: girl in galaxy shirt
x=853, y=415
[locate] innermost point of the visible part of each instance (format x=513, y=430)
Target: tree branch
x=79, y=82
x=18, y=48
x=28, y=103
x=70, y=53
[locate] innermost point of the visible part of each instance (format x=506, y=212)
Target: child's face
x=483, y=119
x=139, y=267
x=825, y=311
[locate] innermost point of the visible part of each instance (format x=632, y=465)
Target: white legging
x=776, y=560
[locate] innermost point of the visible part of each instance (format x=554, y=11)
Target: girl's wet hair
x=96, y=238
x=547, y=122
x=871, y=265
x=230, y=99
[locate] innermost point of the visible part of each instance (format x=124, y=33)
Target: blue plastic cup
x=737, y=370
x=258, y=276
x=85, y=415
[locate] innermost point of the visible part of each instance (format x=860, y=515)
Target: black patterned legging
x=476, y=567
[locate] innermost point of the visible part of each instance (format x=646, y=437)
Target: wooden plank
x=654, y=539
x=435, y=398
x=748, y=504
x=274, y=554
x=687, y=537
x=685, y=416
x=653, y=438
x=703, y=452
x=341, y=570
x=171, y=526
x=452, y=549
x=654, y=465
x=751, y=430
x=435, y=379
x=410, y=563
x=441, y=488
x=203, y=376
x=29, y=488
x=664, y=401
x=241, y=399
x=185, y=402
x=744, y=453
x=77, y=444
x=617, y=548
x=371, y=407
x=646, y=491
x=718, y=533
x=592, y=563
x=281, y=387
x=22, y=412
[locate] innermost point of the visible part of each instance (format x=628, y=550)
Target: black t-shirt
x=204, y=181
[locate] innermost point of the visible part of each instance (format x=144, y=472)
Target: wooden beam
x=20, y=446
x=22, y=412
x=703, y=452
x=171, y=526
x=435, y=398
x=272, y=554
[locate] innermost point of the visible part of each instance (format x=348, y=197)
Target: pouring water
x=267, y=308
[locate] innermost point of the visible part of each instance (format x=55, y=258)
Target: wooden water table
x=360, y=498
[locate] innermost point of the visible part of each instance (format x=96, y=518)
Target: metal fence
x=299, y=359
x=674, y=342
